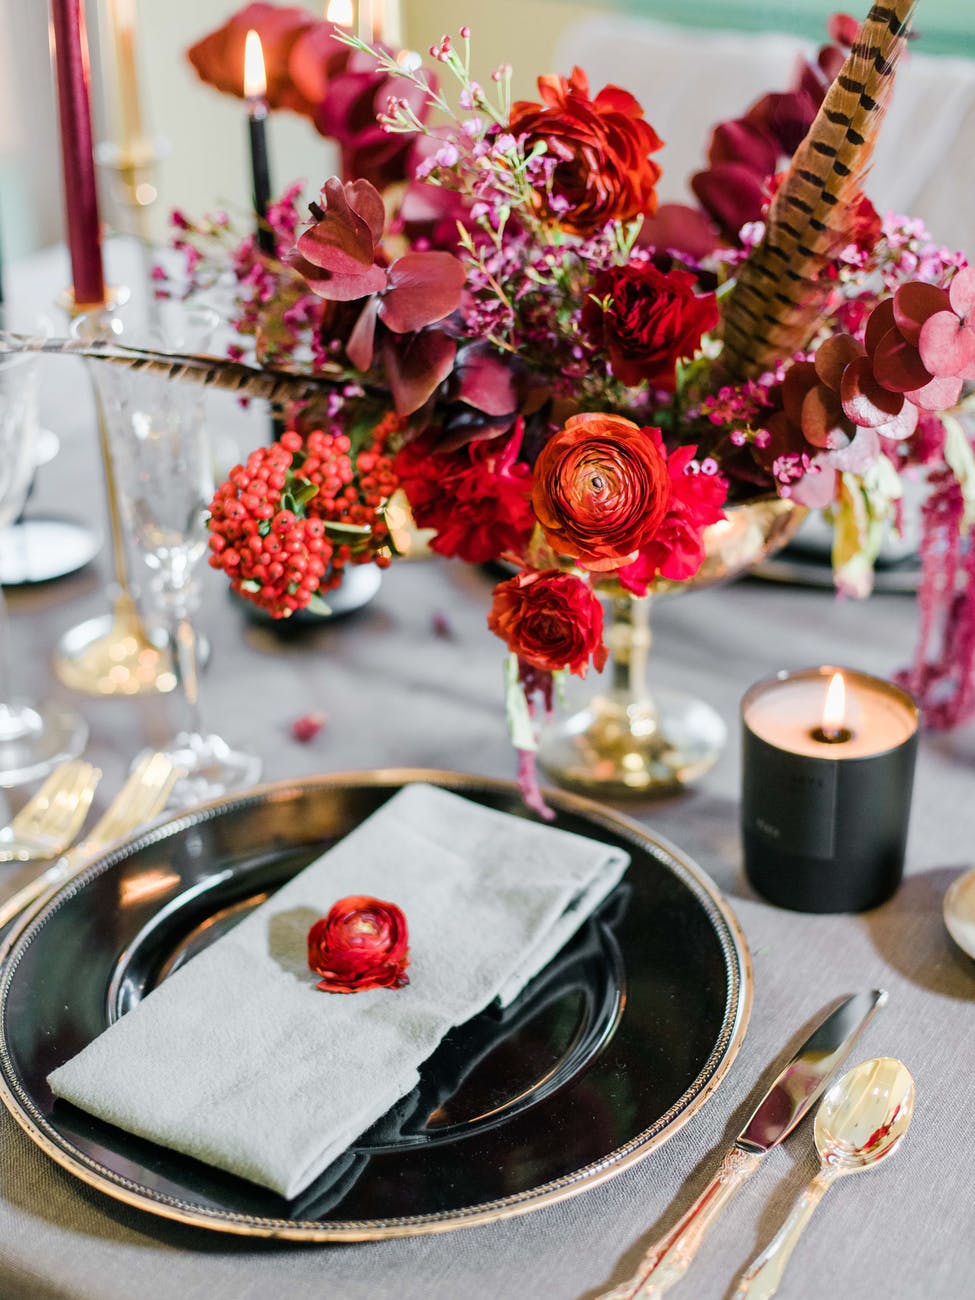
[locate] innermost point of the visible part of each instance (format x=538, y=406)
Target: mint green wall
x=944, y=26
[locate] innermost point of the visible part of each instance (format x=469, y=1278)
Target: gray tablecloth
x=397, y=694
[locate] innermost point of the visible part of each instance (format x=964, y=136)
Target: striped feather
x=778, y=299
x=278, y=387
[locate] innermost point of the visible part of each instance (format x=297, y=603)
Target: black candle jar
x=826, y=802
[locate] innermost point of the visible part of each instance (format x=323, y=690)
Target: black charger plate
x=622, y=1038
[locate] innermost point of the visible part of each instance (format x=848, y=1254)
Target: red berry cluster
x=275, y=524
x=352, y=491
x=272, y=555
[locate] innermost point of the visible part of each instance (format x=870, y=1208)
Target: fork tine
x=60, y=806
x=140, y=798
x=38, y=806
x=70, y=807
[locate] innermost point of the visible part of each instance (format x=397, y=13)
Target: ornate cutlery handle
x=668, y=1259
x=762, y=1277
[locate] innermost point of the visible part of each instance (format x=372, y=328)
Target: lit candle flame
x=340, y=13
x=255, y=77
x=834, y=706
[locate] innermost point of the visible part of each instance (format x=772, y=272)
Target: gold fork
x=50, y=820
x=140, y=799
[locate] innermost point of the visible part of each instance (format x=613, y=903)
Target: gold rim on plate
x=709, y=1078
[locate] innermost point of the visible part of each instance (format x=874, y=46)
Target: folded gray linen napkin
x=239, y=1060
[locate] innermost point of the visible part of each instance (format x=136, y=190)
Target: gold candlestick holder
x=112, y=654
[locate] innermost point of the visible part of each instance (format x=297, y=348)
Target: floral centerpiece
x=503, y=325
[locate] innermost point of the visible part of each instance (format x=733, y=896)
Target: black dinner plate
x=622, y=1038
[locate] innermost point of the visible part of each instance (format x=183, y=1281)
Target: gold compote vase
x=629, y=740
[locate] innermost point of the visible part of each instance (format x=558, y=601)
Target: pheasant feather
x=275, y=386
x=780, y=292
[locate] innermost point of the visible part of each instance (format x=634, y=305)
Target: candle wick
x=831, y=735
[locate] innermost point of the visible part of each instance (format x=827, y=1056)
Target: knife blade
x=795, y=1090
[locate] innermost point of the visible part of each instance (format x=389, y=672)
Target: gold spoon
x=959, y=912
x=861, y=1120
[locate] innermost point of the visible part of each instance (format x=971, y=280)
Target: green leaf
x=318, y=606
x=347, y=530
x=250, y=584
x=520, y=727
x=302, y=493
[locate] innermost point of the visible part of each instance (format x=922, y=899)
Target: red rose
x=361, y=944
x=550, y=620
x=219, y=57
x=677, y=549
x=601, y=489
x=648, y=320
x=478, y=497
x=599, y=148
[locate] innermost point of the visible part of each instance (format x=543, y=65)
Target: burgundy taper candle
x=77, y=153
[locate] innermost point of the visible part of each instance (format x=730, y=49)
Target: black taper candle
x=260, y=173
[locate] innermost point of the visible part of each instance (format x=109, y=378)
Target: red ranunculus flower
x=550, y=620
x=648, y=320
x=600, y=147
x=601, y=490
x=676, y=551
x=478, y=497
x=361, y=944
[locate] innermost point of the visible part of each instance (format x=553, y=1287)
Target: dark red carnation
x=601, y=489
x=478, y=497
x=549, y=619
x=676, y=551
x=362, y=943
x=601, y=149
x=648, y=320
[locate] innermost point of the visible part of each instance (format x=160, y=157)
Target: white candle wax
x=787, y=713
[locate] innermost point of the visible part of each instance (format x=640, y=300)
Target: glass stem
x=187, y=668
x=629, y=641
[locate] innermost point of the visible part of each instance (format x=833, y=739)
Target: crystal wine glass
x=34, y=737
x=163, y=469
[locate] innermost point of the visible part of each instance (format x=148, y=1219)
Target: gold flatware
x=861, y=1121
x=792, y=1095
x=51, y=818
x=140, y=799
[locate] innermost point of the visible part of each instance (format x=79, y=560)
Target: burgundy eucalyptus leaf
x=913, y=304
x=961, y=292
x=880, y=323
x=897, y=365
x=823, y=421
x=947, y=345
x=866, y=402
x=344, y=239
x=361, y=345
x=799, y=379
x=422, y=289
x=833, y=356
x=485, y=381
x=902, y=425
x=415, y=365
x=937, y=395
